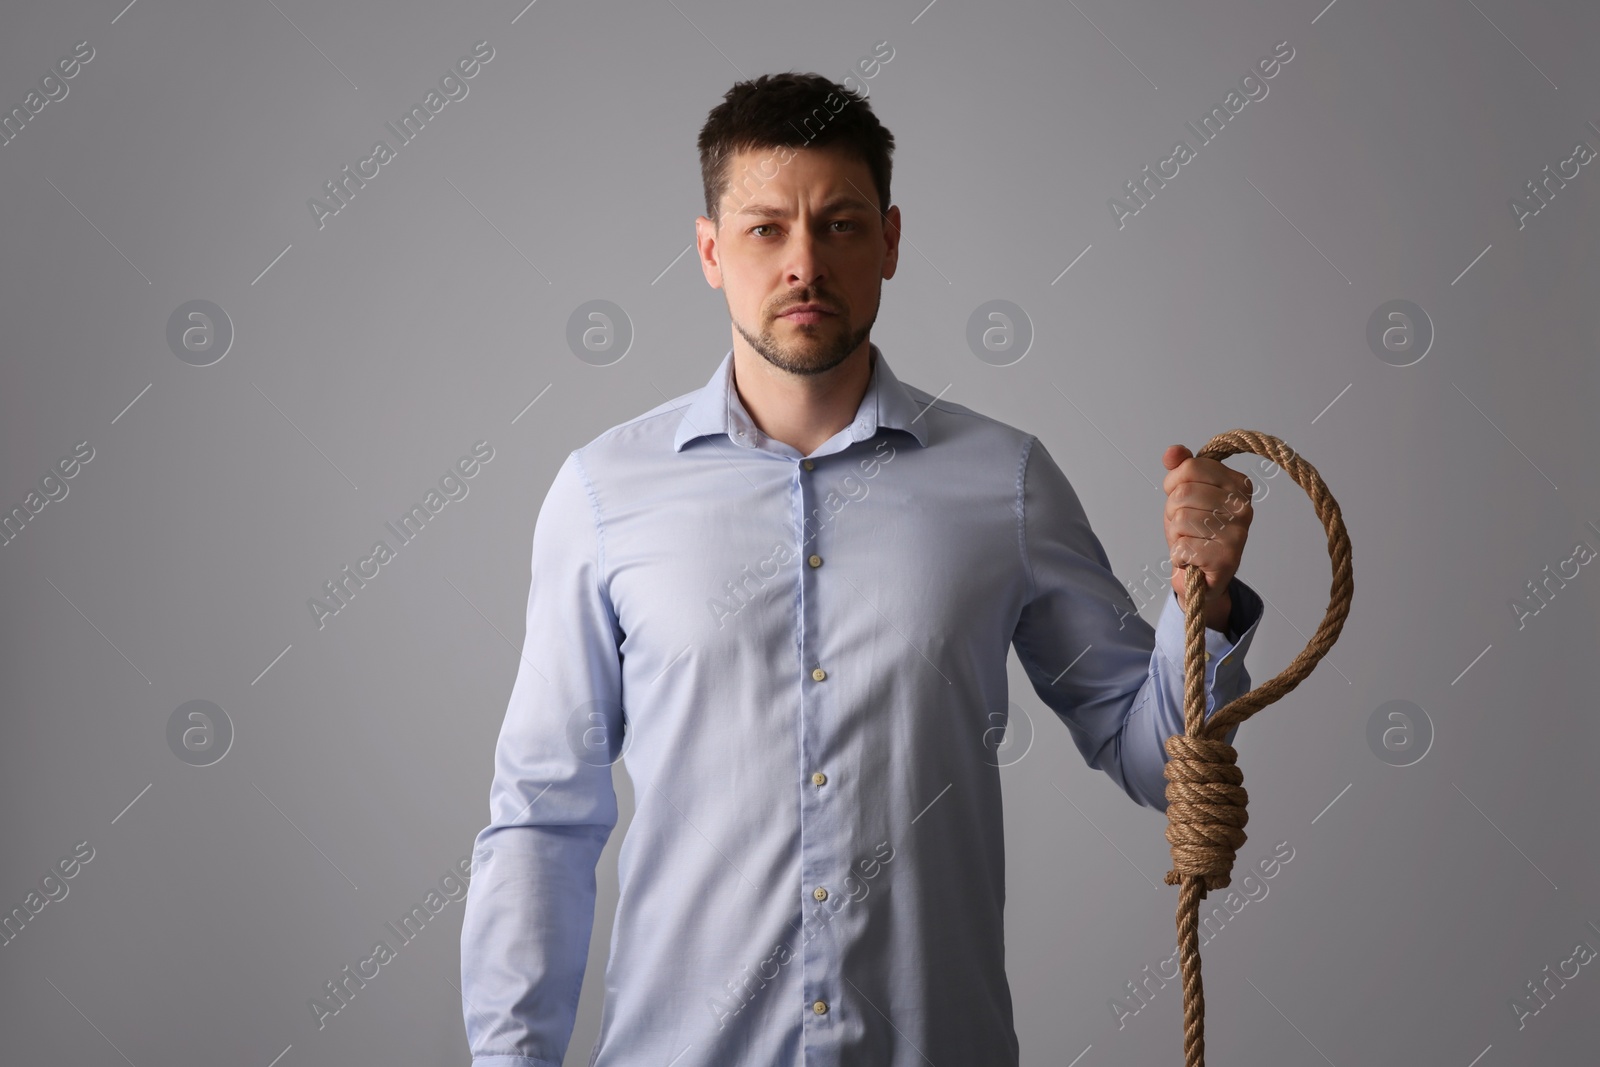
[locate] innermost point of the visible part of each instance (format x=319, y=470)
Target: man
x=786, y=600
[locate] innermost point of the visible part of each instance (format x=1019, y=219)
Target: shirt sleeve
x=1112, y=678
x=530, y=903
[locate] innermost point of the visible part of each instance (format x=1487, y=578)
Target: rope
x=1205, y=796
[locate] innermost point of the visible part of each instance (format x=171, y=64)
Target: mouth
x=804, y=313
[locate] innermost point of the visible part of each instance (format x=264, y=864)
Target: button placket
x=822, y=834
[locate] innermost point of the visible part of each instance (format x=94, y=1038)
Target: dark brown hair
x=791, y=110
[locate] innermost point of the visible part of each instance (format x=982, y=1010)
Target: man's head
x=796, y=175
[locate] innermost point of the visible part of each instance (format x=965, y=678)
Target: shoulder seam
x=951, y=407
x=599, y=530
x=1022, y=512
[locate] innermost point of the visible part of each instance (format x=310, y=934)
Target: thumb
x=1174, y=455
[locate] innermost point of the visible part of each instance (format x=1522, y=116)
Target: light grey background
x=432, y=310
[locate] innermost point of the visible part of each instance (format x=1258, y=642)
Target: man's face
x=800, y=226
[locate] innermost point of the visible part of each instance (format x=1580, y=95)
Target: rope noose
x=1205, y=796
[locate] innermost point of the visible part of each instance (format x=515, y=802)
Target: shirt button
x=819, y=778
x=815, y=561
x=807, y=464
x=820, y=1007
x=820, y=893
x=818, y=674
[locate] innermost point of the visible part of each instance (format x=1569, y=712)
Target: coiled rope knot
x=1205, y=809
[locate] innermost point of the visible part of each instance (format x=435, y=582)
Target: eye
x=845, y=222
x=763, y=226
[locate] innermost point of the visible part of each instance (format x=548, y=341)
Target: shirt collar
x=887, y=404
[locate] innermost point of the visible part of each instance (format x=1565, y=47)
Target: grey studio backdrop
x=1387, y=260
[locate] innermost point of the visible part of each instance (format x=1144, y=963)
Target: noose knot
x=1205, y=809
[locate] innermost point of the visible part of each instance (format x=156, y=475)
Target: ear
x=705, y=239
x=891, y=240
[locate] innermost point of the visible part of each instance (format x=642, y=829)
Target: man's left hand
x=1206, y=519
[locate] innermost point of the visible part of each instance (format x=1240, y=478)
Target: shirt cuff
x=1225, y=667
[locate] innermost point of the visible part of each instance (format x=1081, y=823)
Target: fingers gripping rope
x=1205, y=795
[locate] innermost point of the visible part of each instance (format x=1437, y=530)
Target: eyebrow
x=838, y=203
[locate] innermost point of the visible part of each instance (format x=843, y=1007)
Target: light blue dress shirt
x=801, y=662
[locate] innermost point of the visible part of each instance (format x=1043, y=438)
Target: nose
x=804, y=268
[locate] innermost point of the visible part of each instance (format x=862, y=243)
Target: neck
x=800, y=410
